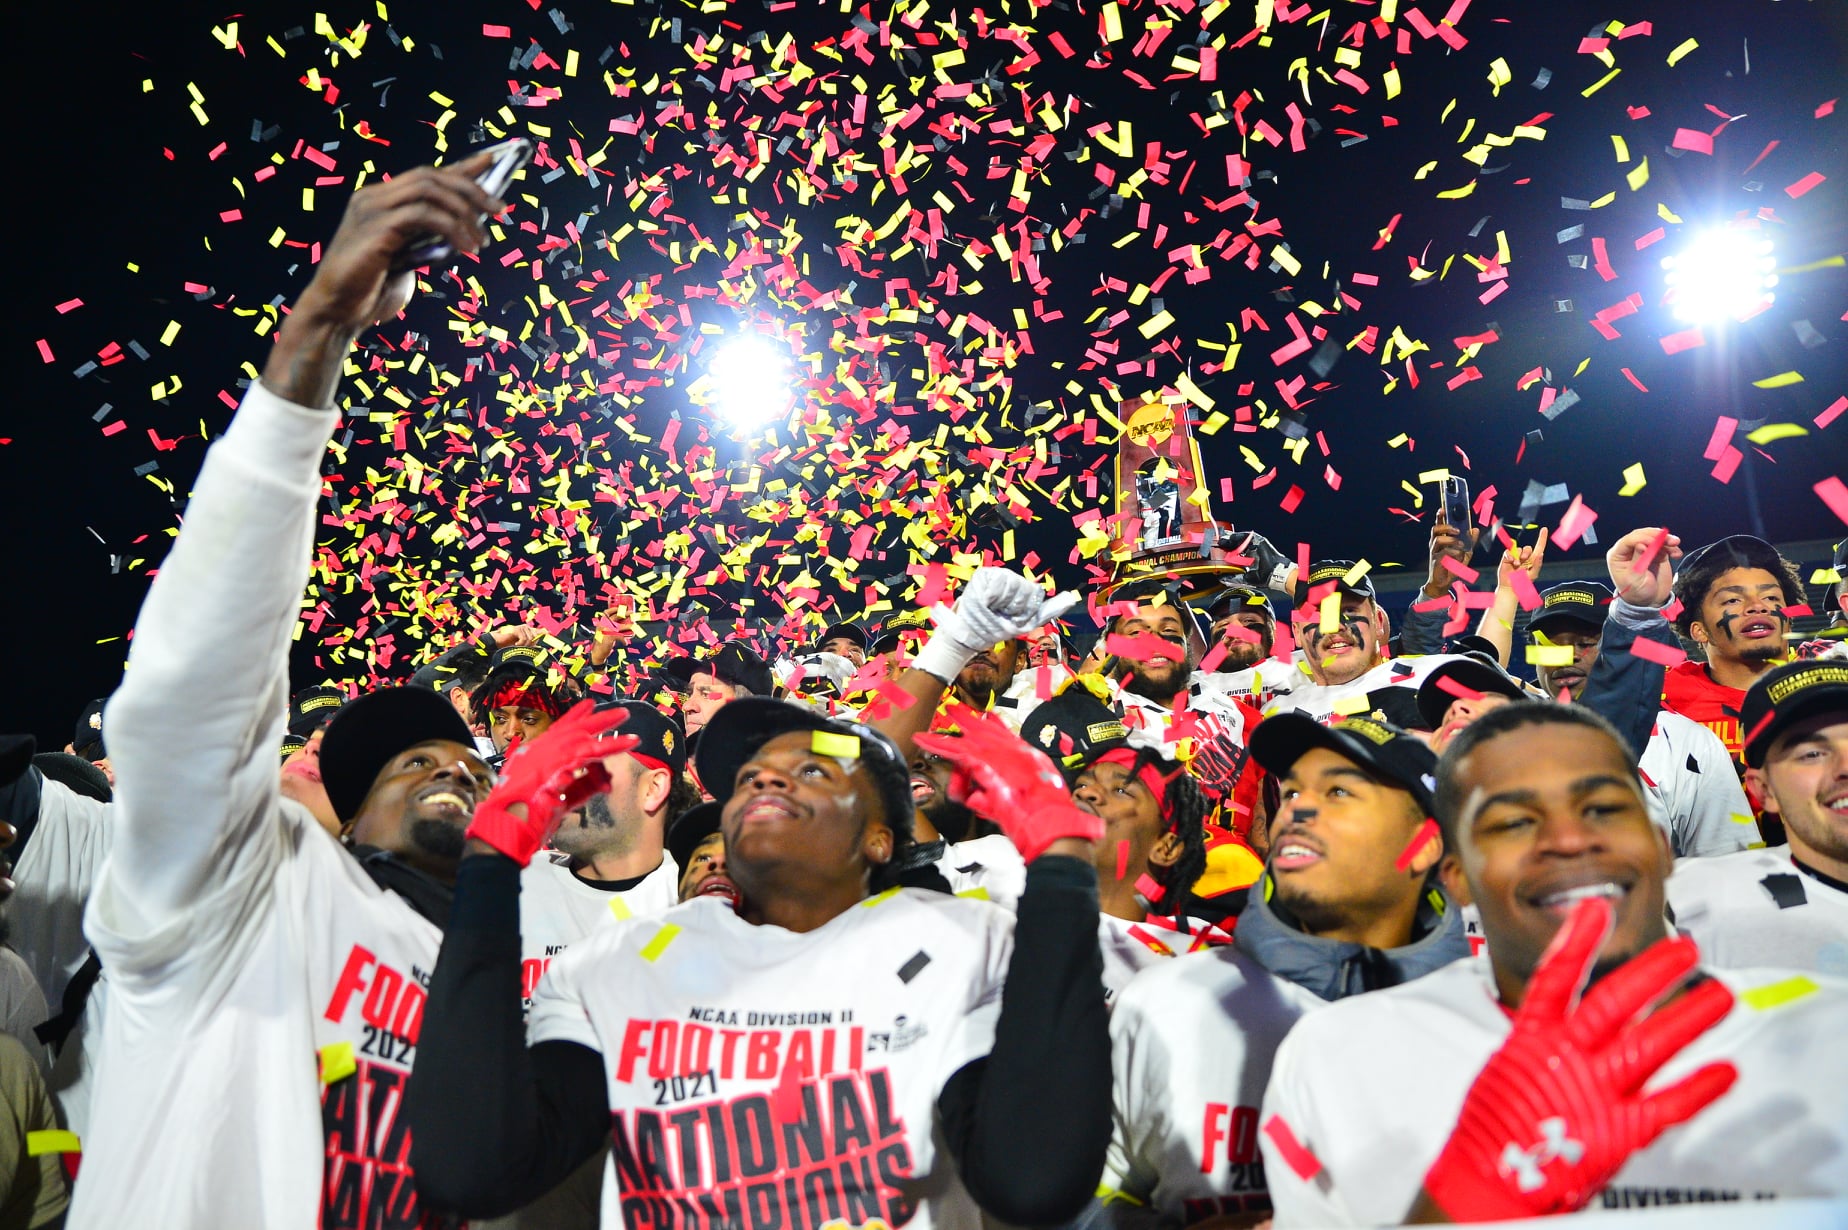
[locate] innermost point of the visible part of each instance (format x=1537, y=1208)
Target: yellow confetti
x=38, y=1144
x=1778, y=381
x=170, y=332
x=1156, y=323
x=1623, y=150
x=337, y=1062
x=1550, y=655
x=653, y=949
x=1633, y=480
x=1681, y=50
x=1640, y=176
x=828, y=743
x=1777, y=431
x=1599, y=84
x=1777, y=994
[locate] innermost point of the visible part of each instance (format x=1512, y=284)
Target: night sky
x=115, y=173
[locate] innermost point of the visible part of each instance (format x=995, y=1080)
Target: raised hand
x=996, y=605
x=1004, y=779
x=1447, y=540
x=1559, y=1108
x=1642, y=566
x=544, y=779
x=354, y=286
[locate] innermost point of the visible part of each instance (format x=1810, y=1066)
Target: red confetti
x=1805, y=184
x=1831, y=492
x=1420, y=839
x=1299, y=1159
x=1687, y=339
x=1833, y=412
x=1654, y=651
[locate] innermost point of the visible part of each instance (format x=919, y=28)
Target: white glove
x=995, y=606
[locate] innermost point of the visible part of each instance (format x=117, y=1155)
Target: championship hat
x=896, y=627
x=1575, y=602
x=312, y=709
x=369, y=731
x=1074, y=728
x=1786, y=695
x=1323, y=571
x=739, y=729
x=1384, y=750
x=1468, y=671
x=842, y=632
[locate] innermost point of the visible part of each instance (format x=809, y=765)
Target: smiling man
x=1787, y=905
x=1346, y=906
x=264, y=980
x=1343, y=635
x=824, y=1001
x=1489, y=1090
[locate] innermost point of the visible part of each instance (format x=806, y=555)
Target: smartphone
x=1457, y=511
x=509, y=157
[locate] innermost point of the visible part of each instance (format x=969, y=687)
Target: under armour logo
x=1525, y=1164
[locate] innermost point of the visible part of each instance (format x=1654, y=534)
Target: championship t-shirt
x=1689, y=776
x=1130, y=947
x=1388, y=691
x=759, y=1076
x=989, y=868
x=1257, y=685
x=1371, y=1087
x=1757, y=907
x=1690, y=691
x=294, y=982
x=557, y=909
x=1191, y=1047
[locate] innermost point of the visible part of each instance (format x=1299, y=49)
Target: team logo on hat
x=1369, y=729
x=667, y=741
x=1576, y=596
x=322, y=702
x=96, y=720
x=1099, y=732
x=1815, y=676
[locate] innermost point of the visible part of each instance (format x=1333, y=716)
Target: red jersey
x=1690, y=691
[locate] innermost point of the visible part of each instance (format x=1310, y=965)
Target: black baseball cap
x=312, y=709
x=1700, y=568
x=1787, y=694
x=87, y=741
x=1476, y=674
x=1579, y=602
x=842, y=632
x=734, y=662
x=1323, y=571
x=530, y=667
x=1074, y=728
x=369, y=731
x=661, y=737
x=1396, y=755
x=16, y=752
x=689, y=828
x=75, y=773
x=1238, y=595
x=740, y=728
x=896, y=626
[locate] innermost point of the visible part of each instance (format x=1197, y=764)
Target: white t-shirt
x=1754, y=908
x=1130, y=947
x=1256, y=685
x=1191, y=1048
x=989, y=868
x=1329, y=702
x=1690, y=778
x=793, y=1075
x=557, y=909
x=1372, y=1086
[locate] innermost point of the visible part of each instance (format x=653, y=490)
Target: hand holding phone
x=509, y=157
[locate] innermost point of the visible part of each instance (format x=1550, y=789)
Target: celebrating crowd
x=1264, y=909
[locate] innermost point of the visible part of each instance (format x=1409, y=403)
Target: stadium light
x=750, y=382
x=1720, y=274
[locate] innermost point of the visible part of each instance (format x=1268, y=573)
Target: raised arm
x=1622, y=687
x=195, y=725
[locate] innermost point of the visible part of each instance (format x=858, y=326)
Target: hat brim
x=1818, y=698
x=741, y=727
x=691, y=827
x=1278, y=742
x=1434, y=702
x=367, y=732
x=843, y=632
x=1566, y=615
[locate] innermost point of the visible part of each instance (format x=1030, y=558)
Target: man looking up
x=706, y=685
x=1787, y=905
x=1490, y=1090
x=1346, y=906
x=848, y=640
x=228, y=923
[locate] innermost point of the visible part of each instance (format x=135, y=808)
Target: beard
x=597, y=833
x=1240, y=654
x=1168, y=678
x=438, y=838
x=953, y=821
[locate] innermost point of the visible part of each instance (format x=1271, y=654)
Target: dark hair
x=1501, y=720
x=1692, y=584
x=682, y=797
x=566, y=692
x=468, y=672
x=1189, y=808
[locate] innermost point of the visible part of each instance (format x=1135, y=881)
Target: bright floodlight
x=750, y=381
x=1721, y=274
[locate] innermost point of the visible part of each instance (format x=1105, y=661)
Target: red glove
x=1000, y=777
x=1559, y=1108
x=548, y=777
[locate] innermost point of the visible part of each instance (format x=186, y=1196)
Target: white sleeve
x=1298, y=1201
x=1711, y=813
x=53, y=879
x=194, y=728
x=558, y=1013
x=1139, y=1099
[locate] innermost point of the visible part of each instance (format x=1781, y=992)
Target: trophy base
x=1194, y=573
